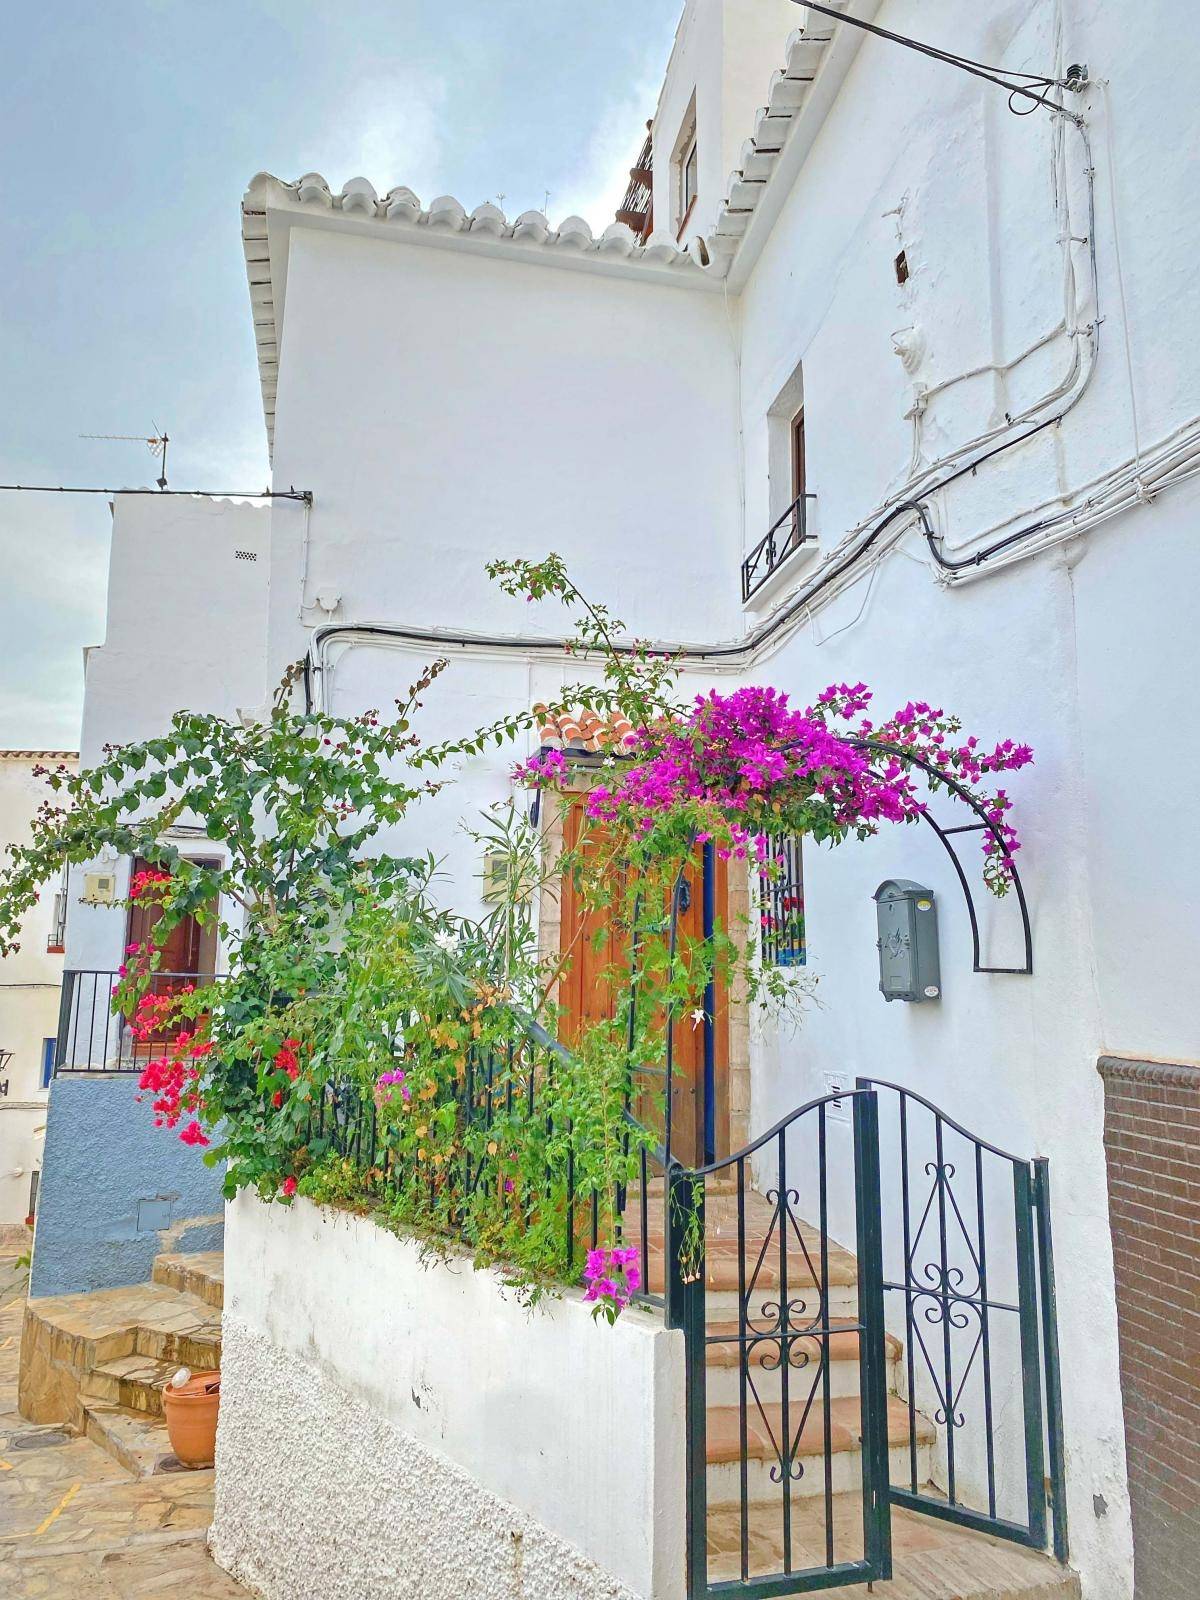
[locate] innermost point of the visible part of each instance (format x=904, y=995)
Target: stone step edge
x=135, y=1441
x=843, y=1346
x=190, y=1273
x=812, y=1441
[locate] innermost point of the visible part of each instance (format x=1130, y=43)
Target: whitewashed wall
x=186, y=630
x=723, y=55
x=394, y=1425
x=449, y=406
x=1085, y=652
x=29, y=990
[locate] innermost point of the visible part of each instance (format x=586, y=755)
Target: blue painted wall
x=115, y=1190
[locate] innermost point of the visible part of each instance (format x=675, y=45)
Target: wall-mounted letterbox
x=908, y=941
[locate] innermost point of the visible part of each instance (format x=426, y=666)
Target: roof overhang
x=272, y=208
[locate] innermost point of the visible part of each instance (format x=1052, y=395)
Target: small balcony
x=93, y=1038
x=789, y=533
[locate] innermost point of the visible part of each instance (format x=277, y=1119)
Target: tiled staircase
x=934, y=1560
x=729, y=1271
x=99, y=1362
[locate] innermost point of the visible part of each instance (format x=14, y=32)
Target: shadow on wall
x=115, y=1190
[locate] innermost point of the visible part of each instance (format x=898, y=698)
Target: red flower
x=193, y=1133
x=289, y=1187
x=277, y=1099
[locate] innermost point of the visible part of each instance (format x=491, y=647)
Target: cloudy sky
x=131, y=130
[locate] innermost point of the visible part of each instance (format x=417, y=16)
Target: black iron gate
x=824, y=1386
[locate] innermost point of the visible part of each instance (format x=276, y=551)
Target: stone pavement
x=76, y=1526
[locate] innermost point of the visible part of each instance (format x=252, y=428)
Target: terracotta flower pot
x=191, y=1415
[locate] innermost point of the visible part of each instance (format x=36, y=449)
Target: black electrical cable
x=915, y=507
x=304, y=495
x=997, y=75
x=753, y=641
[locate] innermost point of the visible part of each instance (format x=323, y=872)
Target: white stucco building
x=945, y=352
x=30, y=985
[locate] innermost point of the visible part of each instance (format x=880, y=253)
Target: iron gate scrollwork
x=968, y=1281
x=772, y=1308
x=796, y=1451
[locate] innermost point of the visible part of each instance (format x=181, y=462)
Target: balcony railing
x=91, y=1038
x=783, y=538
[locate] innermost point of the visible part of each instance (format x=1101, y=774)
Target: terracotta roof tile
x=582, y=730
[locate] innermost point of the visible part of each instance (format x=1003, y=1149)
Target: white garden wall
x=395, y=1425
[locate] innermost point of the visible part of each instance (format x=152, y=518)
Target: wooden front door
x=594, y=946
x=188, y=955
x=188, y=951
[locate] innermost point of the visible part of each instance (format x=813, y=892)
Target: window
x=688, y=193
x=58, y=926
x=685, y=164
x=797, y=436
x=781, y=897
x=48, y=1049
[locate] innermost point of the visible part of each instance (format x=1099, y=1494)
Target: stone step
x=764, y=1425
x=139, y=1442
x=135, y=1382
x=724, y=1272
x=67, y=1337
x=201, y=1273
x=723, y=1381
x=932, y=1559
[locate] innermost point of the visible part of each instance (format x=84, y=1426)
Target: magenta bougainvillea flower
x=612, y=1278
x=747, y=765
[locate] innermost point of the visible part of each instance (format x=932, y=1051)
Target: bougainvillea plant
x=293, y=804
x=350, y=995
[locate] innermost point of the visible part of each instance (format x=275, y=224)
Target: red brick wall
x=1152, y=1140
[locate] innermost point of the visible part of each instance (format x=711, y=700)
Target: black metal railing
x=92, y=1037
x=785, y=536
x=500, y=1105
x=781, y=903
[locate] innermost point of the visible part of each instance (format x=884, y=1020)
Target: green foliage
x=366, y=1049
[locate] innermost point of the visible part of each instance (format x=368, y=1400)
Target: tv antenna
x=156, y=442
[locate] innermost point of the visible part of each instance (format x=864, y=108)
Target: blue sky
x=131, y=131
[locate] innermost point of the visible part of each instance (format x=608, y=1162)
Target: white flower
x=446, y=940
x=698, y=1016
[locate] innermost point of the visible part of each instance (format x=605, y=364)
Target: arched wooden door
x=594, y=946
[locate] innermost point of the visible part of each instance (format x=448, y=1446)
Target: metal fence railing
x=92, y=1037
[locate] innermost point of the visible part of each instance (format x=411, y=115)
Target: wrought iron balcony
x=783, y=538
x=92, y=1038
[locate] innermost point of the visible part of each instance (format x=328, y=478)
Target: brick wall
x=1152, y=1140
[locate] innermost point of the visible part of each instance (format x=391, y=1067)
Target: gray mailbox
x=908, y=941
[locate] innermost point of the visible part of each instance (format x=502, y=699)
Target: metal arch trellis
x=985, y=824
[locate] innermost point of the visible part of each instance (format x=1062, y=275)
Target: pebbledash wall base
x=394, y=1425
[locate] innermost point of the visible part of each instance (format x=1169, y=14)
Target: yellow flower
x=492, y=1147
x=422, y=1130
